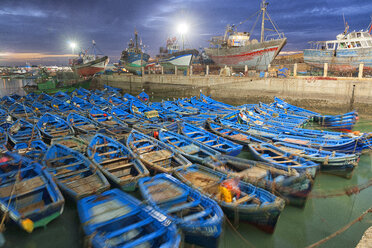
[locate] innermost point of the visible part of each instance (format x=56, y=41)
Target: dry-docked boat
x=236, y=49
x=346, y=53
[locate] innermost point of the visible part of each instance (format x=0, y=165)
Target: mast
x=136, y=39
x=263, y=10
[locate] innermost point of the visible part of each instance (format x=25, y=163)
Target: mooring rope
x=347, y=191
x=343, y=229
x=239, y=234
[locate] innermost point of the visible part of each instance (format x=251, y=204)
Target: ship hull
x=346, y=60
x=91, y=68
x=255, y=56
x=181, y=59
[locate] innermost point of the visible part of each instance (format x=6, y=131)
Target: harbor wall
x=327, y=96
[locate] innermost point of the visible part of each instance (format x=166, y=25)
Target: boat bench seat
x=198, y=215
x=109, y=153
x=186, y=205
x=244, y=199
x=71, y=173
x=200, y=137
x=209, y=141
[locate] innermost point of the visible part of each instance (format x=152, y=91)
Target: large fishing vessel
x=346, y=53
x=172, y=55
x=133, y=58
x=237, y=49
x=89, y=64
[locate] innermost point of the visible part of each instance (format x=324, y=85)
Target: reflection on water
x=13, y=86
x=296, y=227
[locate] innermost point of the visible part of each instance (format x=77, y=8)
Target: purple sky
x=36, y=26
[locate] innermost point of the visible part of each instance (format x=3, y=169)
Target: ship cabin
x=235, y=39
x=352, y=40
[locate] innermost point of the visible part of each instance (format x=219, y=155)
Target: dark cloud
x=47, y=26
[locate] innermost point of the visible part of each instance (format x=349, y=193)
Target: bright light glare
x=182, y=28
x=72, y=44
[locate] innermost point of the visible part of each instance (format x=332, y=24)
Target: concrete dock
x=314, y=93
x=366, y=241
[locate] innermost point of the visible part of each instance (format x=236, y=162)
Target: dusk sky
x=38, y=31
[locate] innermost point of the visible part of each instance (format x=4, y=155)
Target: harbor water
x=296, y=227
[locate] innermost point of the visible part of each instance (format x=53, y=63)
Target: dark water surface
x=295, y=228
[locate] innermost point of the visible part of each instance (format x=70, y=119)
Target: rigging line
x=343, y=229
x=254, y=25
x=258, y=11
x=273, y=23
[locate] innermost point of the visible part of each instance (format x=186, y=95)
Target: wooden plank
x=108, y=153
x=22, y=187
x=121, y=166
x=113, y=160
x=59, y=158
x=243, y=199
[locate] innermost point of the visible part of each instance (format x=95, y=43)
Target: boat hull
x=255, y=56
x=91, y=68
x=180, y=59
x=347, y=60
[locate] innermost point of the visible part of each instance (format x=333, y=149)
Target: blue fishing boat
x=75, y=143
x=191, y=149
x=168, y=105
x=76, y=176
x=143, y=97
x=112, y=89
x=63, y=108
x=81, y=103
x=282, y=159
x=40, y=108
x=291, y=185
x=81, y=93
x=239, y=200
x=7, y=101
x=15, y=96
x=156, y=155
x=4, y=115
x=236, y=135
x=351, y=145
x=22, y=131
x=143, y=111
x=164, y=114
x=116, y=219
x=99, y=101
x=216, y=142
x=104, y=118
x=124, y=116
x=199, y=217
x=44, y=98
x=81, y=124
x=52, y=126
x=34, y=150
x=331, y=162
x=18, y=110
x=62, y=96
x=3, y=139
x=116, y=101
x=116, y=162
x=150, y=128
x=213, y=102
x=28, y=193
